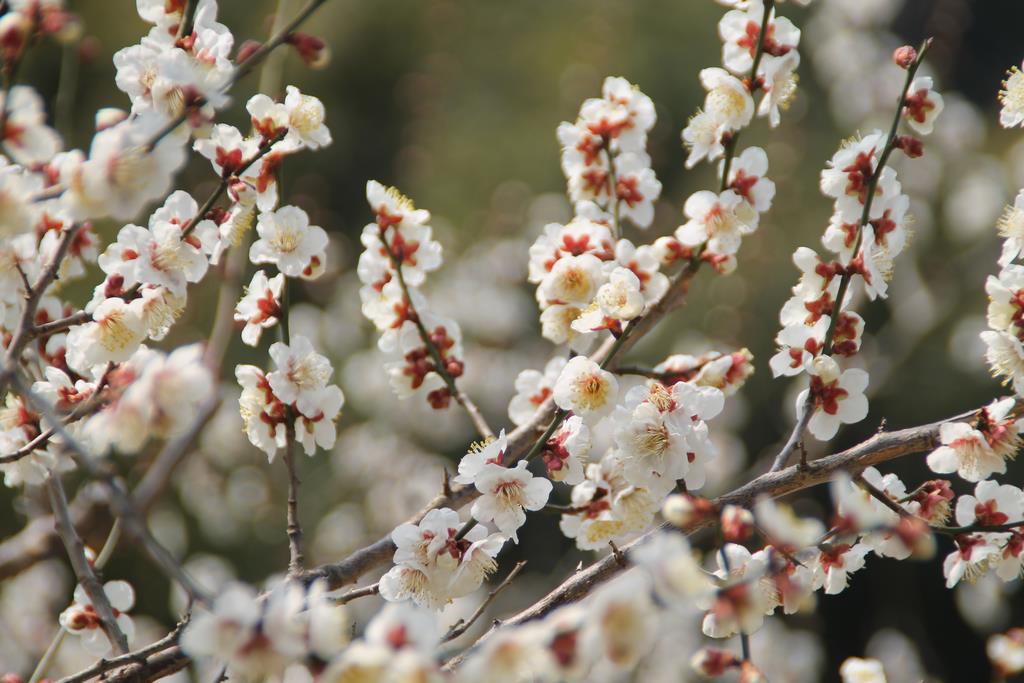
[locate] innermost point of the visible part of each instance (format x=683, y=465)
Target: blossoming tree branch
x=629, y=446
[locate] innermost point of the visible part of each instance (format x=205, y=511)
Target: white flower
x=849, y=174
x=620, y=297
x=116, y=331
x=316, y=427
x=747, y=179
x=785, y=529
x=565, y=454
x=232, y=633
x=32, y=469
x=991, y=505
x=260, y=308
x=728, y=99
x=837, y=398
x=412, y=246
x=287, y=240
x=585, y=389
x=159, y=256
x=1005, y=356
x=721, y=220
x=305, y=119
x=740, y=31
x=572, y=280
x=1006, y=651
x=506, y=494
x=300, y=375
x=636, y=188
x=922, y=105
x=532, y=389
x=779, y=83
x=978, y=452
x=401, y=625
x=624, y=622
x=835, y=564
x=1011, y=228
x=857, y=670
x=82, y=620
x=479, y=456
x=745, y=596
x=973, y=555
x=26, y=136
x=703, y=136
x=227, y=149
x=263, y=414
x=1012, y=99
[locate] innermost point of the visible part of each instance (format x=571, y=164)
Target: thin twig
x=807, y=408
x=461, y=626
x=364, y=592
x=83, y=571
x=138, y=656
x=295, y=556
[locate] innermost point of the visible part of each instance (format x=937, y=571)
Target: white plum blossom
x=116, y=331
x=305, y=120
x=81, y=619
x=837, y=398
x=585, y=389
x=260, y=308
x=287, y=240
x=835, y=563
x=533, y=387
x=300, y=375
x=922, y=105
x=506, y=493
x=979, y=451
x=720, y=220
x=1012, y=99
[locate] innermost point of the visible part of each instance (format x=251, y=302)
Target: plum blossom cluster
x=424, y=349
x=867, y=231
x=588, y=279
x=604, y=154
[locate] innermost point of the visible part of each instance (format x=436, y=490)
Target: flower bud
x=910, y=145
x=10, y=678
x=312, y=50
x=683, y=510
x=15, y=28
x=737, y=524
x=247, y=49
x=904, y=56
x=751, y=674
x=935, y=500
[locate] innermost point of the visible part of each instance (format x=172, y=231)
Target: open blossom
x=301, y=373
x=116, y=331
x=506, y=493
x=533, y=387
x=1011, y=229
x=747, y=179
x=636, y=188
x=227, y=149
x=573, y=279
x=1012, y=98
x=479, y=456
x=972, y=557
x=585, y=389
x=835, y=563
x=565, y=453
x=264, y=415
x=849, y=174
x=606, y=506
x=837, y=398
x=977, y=452
x=287, y=240
x=744, y=597
x=720, y=220
x=727, y=99
x=784, y=528
x=740, y=31
x=26, y=137
x=625, y=621
x=260, y=308
x=158, y=256
x=992, y=504
x=432, y=567
x=1005, y=355
x=922, y=105
x=305, y=120
x=315, y=428
x=82, y=620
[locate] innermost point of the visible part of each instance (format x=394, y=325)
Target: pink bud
x=910, y=145
x=313, y=51
x=684, y=510
x=247, y=50
x=904, y=56
x=710, y=661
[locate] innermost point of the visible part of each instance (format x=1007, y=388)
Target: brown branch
x=137, y=657
x=23, y=333
x=461, y=626
x=121, y=502
x=364, y=592
x=83, y=571
x=879, y=448
x=295, y=556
